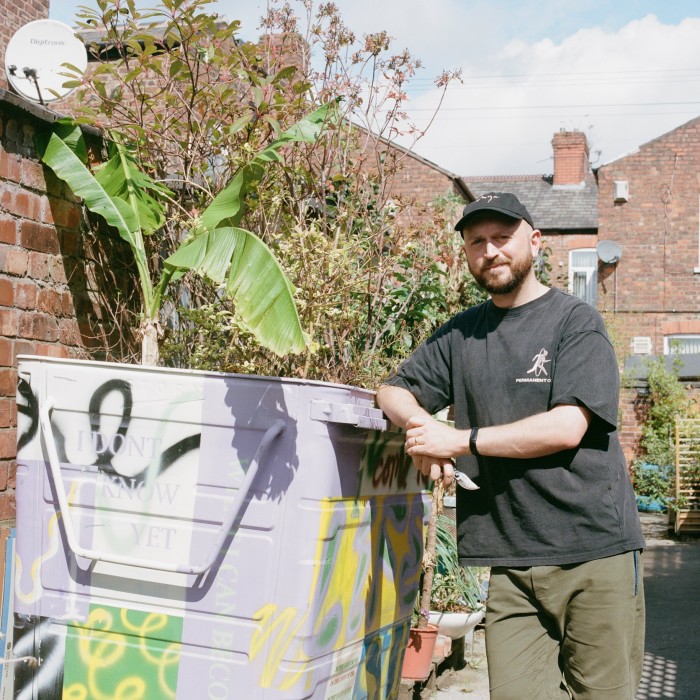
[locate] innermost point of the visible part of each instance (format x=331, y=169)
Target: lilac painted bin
x=185, y=535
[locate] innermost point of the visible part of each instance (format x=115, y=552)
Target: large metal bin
x=185, y=534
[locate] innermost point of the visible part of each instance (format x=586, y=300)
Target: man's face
x=500, y=251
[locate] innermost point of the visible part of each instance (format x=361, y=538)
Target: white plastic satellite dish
x=609, y=252
x=35, y=56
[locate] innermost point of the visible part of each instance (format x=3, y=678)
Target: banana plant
x=216, y=247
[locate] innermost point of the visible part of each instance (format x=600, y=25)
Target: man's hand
x=433, y=446
x=403, y=409
x=427, y=437
x=436, y=468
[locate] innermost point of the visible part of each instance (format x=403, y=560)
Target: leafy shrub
x=653, y=472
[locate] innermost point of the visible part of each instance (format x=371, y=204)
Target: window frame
x=591, y=272
x=668, y=339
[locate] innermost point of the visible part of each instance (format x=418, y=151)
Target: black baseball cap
x=503, y=202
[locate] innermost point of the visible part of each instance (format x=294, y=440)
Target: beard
x=519, y=270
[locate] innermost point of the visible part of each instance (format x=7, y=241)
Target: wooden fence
x=687, y=513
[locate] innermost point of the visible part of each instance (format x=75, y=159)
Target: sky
x=622, y=71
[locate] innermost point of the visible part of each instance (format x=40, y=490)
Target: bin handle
x=348, y=414
x=64, y=511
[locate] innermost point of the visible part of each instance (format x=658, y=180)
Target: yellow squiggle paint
x=34, y=593
x=131, y=688
x=76, y=691
x=286, y=629
x=171, y=657
x=103, y=645
x=339, y=588
x=154, y=622
x=346, y=532
x=99, y=646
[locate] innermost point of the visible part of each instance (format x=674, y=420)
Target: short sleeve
x=427, y=373
x=586, y=371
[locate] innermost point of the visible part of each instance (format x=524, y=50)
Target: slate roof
x=563, y=209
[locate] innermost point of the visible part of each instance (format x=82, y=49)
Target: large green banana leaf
x=255, y=281
x=120, y=177
x=62, y=159
x=226, y=254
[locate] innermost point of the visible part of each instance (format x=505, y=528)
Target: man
x=534, y=383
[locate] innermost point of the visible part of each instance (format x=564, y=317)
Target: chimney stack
x=570, y=157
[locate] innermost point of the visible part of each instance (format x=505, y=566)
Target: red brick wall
x=654, y=290
x=559, y=247
x=36, y=312
x=15, y=14
x=657, y=229
x=51, y=293
x=410, y=182
x=632, y=411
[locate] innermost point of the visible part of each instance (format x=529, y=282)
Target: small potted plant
x=418, y=657
x=456, y=604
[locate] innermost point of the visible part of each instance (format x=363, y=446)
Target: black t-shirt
x=500, y=365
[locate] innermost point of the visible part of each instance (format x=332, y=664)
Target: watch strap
x=472, y=441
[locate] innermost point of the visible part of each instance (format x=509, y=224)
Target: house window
x=583, y=274
x=682, y=344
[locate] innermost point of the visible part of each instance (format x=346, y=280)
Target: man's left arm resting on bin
x=560, y=428
x=401, y=407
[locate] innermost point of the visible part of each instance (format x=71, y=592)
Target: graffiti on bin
x=98, y=659
x=31, y=410
x=48, y=676
x=106, y=446
x=334, y=626
x=386, y=468
x=358, y=586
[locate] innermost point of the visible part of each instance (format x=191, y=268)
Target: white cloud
x=613, y=85
x=598, y=66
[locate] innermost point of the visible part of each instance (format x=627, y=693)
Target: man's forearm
x=560, y=428
x=399, y=404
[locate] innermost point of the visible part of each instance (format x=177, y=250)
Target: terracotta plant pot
x=417, y=662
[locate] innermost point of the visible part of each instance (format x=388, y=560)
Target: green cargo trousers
x=574, y=631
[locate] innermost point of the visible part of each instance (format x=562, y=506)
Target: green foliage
x=204, y=114
x=543, y=267
x=456, y=588
x=231, y=257
x=653, y=473
x=456, y=592
x=653, y=482
x=667, y=400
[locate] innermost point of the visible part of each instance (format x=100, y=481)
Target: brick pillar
x=570, y=157
x=15, y=15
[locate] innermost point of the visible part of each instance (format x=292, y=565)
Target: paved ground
x=672, y=650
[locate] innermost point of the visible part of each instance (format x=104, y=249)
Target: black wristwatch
x=472, y=442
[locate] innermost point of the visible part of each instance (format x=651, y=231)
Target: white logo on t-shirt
x=539, y=359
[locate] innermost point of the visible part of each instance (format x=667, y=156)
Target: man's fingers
x=448, y=473
x=435, y=471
